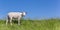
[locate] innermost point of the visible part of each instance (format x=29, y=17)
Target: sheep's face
x=23, y=13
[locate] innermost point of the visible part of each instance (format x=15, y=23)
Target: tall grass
x=50, y=24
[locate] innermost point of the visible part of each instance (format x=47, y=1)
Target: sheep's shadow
x=15, y=21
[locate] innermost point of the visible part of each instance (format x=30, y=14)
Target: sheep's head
x=23, y=13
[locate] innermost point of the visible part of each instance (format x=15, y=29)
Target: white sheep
x=17, y=15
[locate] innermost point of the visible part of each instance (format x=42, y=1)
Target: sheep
x=17, y=15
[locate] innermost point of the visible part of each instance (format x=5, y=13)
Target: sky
x=35, y=8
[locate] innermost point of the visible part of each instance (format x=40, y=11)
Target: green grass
x=50, y=24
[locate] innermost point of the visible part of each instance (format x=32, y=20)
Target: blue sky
x=34, y=8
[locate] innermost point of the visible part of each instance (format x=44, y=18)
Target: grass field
x=49, y=24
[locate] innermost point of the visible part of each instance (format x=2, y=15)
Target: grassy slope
x=51, y=24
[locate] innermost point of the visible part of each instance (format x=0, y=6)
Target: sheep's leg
x=18, y=21
x=11, y=21
x=6, y=21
